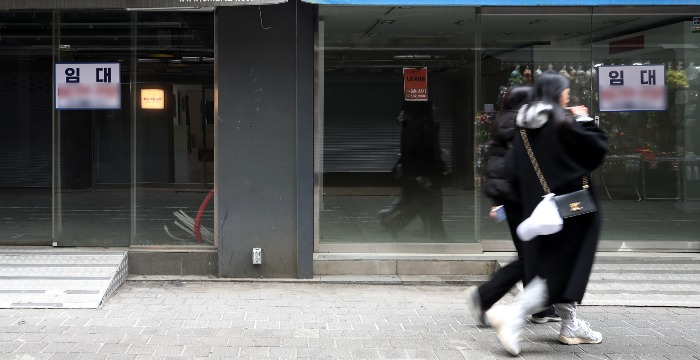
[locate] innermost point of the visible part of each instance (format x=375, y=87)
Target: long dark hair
x=516, y=97
x=548, y=87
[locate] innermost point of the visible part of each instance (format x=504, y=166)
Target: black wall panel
x=258, y=120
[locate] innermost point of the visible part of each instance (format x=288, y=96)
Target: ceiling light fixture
x=174, y=8
x=413, y=57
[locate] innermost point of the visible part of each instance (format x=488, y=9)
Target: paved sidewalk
x=261, y=320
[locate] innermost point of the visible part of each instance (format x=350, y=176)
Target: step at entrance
x=60, y=278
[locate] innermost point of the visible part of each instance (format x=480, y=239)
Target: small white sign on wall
x=87, y=86
x=632, y=87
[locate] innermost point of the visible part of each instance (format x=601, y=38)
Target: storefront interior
x=649, y=184
x=137, y=176
x=107, y=177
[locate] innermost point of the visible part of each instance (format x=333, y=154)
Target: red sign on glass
x=415, y=84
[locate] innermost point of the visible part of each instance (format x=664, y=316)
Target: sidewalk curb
x=414, y=280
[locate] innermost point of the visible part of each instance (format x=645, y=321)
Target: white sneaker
x=580, y=334
x=509, y=326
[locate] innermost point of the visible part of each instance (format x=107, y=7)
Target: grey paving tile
x=168, y=350
x=91, y=356
x=114, y=348
x=86, y=348
x=62, y=356
x=197, y=350
x=346, y=321
x=31, y=348
x=9, y=347
x=36, y=337
x=58, y=348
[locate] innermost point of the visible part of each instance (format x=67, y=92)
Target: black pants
x=504, y=279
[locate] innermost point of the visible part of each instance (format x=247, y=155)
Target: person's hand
x=579, y=110
x=580, y=113
x=492, y=213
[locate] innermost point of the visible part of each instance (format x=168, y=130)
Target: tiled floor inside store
x=103, y=217
x=100, y=217
x=353, y=218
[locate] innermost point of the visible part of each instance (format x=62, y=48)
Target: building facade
x=195, y=132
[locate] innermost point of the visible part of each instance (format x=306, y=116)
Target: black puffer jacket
x=497, y=186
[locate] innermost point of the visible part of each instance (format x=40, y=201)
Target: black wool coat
x=566, y=151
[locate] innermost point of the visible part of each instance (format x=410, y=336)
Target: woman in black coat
x=567, y=146
x=502, y=194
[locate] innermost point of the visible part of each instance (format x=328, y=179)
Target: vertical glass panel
x=517, y=45
x=362, y=195
x=174, y=128
x=92, y=146
x=651, y=179
x=25, y=127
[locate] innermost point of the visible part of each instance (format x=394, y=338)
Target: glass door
x=173, y=139
x=25, y=128
x=92, y=137
x=135, y=128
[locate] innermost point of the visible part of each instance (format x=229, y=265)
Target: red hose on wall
x=198, y=218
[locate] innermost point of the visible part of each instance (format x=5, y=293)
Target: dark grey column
x=306, y=26
x=264, y=139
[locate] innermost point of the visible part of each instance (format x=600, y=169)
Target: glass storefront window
x=362, y=197
x=650, y=181
x=649, y=185
x=517, y=45
x=133, y=163
x=174, y=139
x=25, y=128
x=92, y=146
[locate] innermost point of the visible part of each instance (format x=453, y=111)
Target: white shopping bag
x=545, y=220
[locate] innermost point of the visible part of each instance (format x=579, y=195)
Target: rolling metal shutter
x=25, y=126
x=361, y=133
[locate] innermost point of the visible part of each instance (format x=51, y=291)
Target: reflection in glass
x=359, y=134
x=517, y=47
x=174, y=129
x=420, y=170
x=650, y=177
x=138, y=175
x=647, y=184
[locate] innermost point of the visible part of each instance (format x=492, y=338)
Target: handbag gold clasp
x=575, y=206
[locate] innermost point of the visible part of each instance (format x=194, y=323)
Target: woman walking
x=568, y=146
x=500, y=190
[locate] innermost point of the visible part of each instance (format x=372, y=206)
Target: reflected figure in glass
x=421, y=170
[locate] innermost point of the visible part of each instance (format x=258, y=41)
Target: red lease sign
x=415, y=84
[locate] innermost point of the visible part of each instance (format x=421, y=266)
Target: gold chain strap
x=535, y=165
x=533, y=160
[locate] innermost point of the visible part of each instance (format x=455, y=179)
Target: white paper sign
x=87, y=86
x=632, y=87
